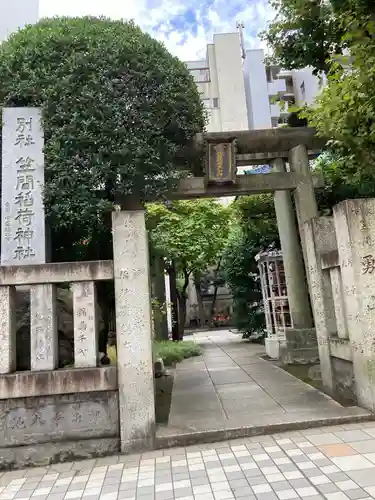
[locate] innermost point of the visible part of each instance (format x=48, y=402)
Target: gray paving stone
x=229, y=461
x=165, y=478
x=235, y=475
x=123, y=495
x=180, y=477
x=363, y=478
x=337, y=476
x=327, y=488
x=299, y=483
x=164, y=495
x=244, y=496
x=301, y=458
x=356, y=494
x=253, y=473
x=128, y=486
x=266, y=496
x=281, y=485
x=313, y=472
x=253, y=481
x=145, y=490
x=179, y=470
x=183, y=492
x=287, y=467
x=198, y=473
x=321, y=462
x=199, y=481
x=238, y=483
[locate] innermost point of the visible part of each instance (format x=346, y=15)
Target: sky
x=184, y=26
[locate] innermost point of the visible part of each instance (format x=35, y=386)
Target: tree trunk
x=158, y=293
x=182, y=315
x=214, y=298
x=182, y=298
x=174, y=301
x=201, y=311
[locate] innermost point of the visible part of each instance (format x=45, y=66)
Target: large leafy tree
x=345, y=114
x=309, y=32
x=255, y=230
x=118, y=112
x=192, y=235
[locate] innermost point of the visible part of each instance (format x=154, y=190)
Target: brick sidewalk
x=336, y=463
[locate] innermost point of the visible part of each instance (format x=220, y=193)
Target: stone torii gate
x=225, y=151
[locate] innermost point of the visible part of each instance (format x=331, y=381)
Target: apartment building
x=272, y=91
x=16, y=14
x=241, y=92
x=220, y=80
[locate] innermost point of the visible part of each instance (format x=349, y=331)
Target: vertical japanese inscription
x=23, y=224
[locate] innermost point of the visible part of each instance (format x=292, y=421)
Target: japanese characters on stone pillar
x=355, y=230
x=23, y=223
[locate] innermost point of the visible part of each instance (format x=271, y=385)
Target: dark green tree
x=256, y=230
x=118, y=112
x=309, y=32
x=192, y=235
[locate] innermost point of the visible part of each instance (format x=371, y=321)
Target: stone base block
x=299, y=347
x=272, y=345
x=344, y=381
x=41, y=455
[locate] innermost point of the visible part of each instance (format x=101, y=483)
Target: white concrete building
x=17, y=14
x=241, y=93
x=267, y=84
x=220, y=81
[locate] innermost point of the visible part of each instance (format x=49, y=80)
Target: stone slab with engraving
x=133, y=330
x=355, y=231
x=22, y=211
x=85, y=324
x=61, y=418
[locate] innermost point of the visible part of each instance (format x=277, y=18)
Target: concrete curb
x=214, y=435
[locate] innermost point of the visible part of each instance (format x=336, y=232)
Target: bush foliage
x=175, y=352
x=256, y=230
x=118, y=110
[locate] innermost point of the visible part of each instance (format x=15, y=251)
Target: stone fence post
x=355, y=233
x=134, y=330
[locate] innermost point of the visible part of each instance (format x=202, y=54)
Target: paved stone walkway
x=333, y=463
x=230, y=386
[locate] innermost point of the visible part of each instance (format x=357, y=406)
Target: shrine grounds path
x=230, y=391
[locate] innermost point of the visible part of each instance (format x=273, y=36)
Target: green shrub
x=175, y=352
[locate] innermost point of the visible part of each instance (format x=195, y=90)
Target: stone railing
x=340, y=252
x=44, y=378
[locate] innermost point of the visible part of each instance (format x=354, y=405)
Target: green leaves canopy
x=118, y=110
x=191, y=233
x=255, y=230
x=309, y=32
x=345, y=113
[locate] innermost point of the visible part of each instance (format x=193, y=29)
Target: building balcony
x=275, y=110
x=276, y=88
x=284, y=109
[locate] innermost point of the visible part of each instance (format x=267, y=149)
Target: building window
x=215, y=102
x=201, y=75
x=303, y=91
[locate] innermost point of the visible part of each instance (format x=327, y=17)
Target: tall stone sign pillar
x=22, y=216
x=134, y=330
x=304, y=194
x=355, y=233
x=298, y=295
